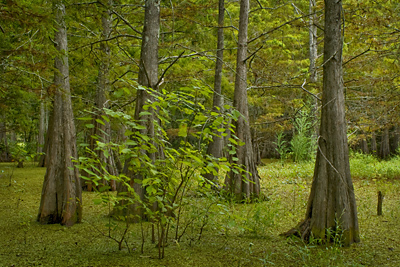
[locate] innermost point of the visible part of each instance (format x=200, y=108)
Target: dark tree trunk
x=384, y=151
x=331, y=204
x=4, y=153
x=394, y=140
x=374, y=148
x=42, y=129
x=101, y=131
x=215, y=147
x=148, y=77
x=244, y=185
x=364, y=146
x=43, y=157
x=61, y=200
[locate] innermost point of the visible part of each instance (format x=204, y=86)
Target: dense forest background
x=282, y=87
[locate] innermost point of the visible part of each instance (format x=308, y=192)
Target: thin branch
x=126, y=22
x=265, y=8
x=329, y=59
x=165, y=71
x=278, y=27
x=252, y=54
x=302, y=87
x=109, y=39
x=366, y=51
x=116, y=80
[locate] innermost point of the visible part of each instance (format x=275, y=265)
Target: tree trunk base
x=302, y=230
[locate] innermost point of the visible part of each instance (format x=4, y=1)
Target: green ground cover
x=233, y=234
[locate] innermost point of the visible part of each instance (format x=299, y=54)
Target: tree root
x=302, y=230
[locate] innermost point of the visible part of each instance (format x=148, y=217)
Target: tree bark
x=331, y=204
x=215, y=147
x=245, y=184
x=364, y=146
x=61, y=200
x=42, y=129
x=313, y=42
x=102, y=132
x=385, y=144
x=373, y=144
x=4, y=153
x=147, y=77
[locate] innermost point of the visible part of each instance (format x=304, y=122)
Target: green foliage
x=302, y=143
x=369, y=167
x=21, y=152
x=281, y=146
x=168, y=178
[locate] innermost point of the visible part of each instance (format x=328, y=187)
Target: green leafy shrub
x=167, y=179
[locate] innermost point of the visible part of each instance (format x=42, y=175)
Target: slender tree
x=102, y=131
x=384, y=151
x=42, y=126
x=313, y=41
x=215, y=147
x=331, y=204
x=147, y=77
x=244, y=184
x=61, y=200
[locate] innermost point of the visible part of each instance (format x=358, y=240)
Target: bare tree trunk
x=61, y=200
x=42, y=129
x=394, y=140
x=331, y=204
x=100, y=130
x=374, y=148
x=385, y=144
x=245, y=184
x=215, y=147
x=313, y=42
x=364, y=146
x=148, y=77
x=4, y=153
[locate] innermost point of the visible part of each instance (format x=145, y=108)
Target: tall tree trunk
x=42, y=129
x=215, y=147
x=313, y=50
x=147, y=77
x=364, y=146
x=245, y=184
x=374, y=148
x=332, y=205
x=4, y=153
x=394, y=140
x=100, y=130
x=313, y=42
x=385, y=144
x=61, y=200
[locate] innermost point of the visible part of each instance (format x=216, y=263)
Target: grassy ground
x=235, y=235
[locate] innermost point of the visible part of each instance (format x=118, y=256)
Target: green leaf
x=105, y=118
x=100, y=121
x=182, y=130
x=97, y=201
x=85, y=119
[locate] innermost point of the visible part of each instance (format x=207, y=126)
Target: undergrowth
x=217, y=233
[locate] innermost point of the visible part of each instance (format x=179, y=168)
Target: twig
x=302, y=87
x=165, y=71
x=366, y=51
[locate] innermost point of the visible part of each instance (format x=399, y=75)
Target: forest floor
x=232, y=235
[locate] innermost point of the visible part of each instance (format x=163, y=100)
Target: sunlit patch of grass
x=234, y=235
